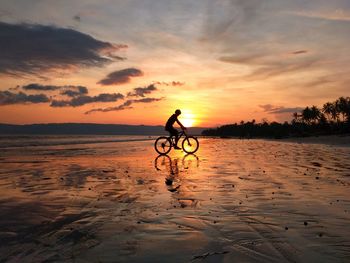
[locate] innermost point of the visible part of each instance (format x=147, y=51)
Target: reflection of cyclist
x=169, y=127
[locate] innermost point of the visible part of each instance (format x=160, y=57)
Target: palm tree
x=347, y=109
x=296, y=117
x=315, y=114
x=343, y=107
x=306, y=115
x=335, y=112
x=328, y=108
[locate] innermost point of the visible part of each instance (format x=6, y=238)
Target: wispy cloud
x=126, y=105
x=280, y=68
x=335, y=15
x=299, y=52
x=121, y=76
x=77, y=18
x=8, y=97
x=248, y=59
x=171, y=83
x=272, y=109
x=36, y=49
x=273, y=65
x=140, y=92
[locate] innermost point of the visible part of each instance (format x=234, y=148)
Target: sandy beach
x=234, y=201
x=334, y=140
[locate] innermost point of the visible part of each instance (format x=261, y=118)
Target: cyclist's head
x=178, y=112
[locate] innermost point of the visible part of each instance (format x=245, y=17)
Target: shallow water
x=234, y=201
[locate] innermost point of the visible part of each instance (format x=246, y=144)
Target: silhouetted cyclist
x=169, y=127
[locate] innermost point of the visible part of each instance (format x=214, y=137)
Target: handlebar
x=184, y=131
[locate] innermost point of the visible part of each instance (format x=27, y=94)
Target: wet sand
x=335, y=140
x=234, y=201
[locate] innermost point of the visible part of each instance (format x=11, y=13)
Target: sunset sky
x=136, y=61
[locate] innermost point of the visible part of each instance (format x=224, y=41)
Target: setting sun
x=187, y=118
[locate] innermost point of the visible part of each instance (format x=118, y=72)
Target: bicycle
x=163, y=144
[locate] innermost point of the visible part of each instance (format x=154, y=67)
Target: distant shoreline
x=87, y=129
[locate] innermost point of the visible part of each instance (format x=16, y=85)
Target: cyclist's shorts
x=172, y=131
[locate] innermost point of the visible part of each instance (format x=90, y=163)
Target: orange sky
x=218, y=61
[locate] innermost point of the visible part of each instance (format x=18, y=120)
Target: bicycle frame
x=181, y=133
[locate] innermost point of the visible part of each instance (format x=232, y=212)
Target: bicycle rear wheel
x=190, y=144
x=163, y=145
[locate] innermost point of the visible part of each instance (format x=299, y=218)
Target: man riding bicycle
x=169, y=127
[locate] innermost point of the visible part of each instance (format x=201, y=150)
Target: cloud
x=172, y=83
x=82, y=100
x=282, y=67
x=8, y=97
x=77, y=18
x=126, y=105
x=36, y=49
x=273, y=65
x=121, y=76
x=140, y=92
x=73, y=91
x=271, y=109
x=249, y=59
x=68, y=90
x=77, y=96
x=35, y=86
x=336, y=15
x=299, y=52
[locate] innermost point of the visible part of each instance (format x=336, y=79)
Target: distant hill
x=88, y=128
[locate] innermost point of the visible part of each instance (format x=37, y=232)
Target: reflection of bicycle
x=163, y=160
x=164, y=144
x=175, y=169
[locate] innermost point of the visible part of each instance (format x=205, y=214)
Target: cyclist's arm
x=182, y=127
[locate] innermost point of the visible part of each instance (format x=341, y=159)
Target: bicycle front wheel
x=163, y=145
x=190, y=144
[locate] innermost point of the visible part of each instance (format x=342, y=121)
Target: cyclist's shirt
x=169, y=124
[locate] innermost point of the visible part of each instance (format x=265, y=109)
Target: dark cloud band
x=8, y=97
x=68, y=90
x=82, y=100
x=34, y=49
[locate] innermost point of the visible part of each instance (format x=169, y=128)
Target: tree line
x=332, y=118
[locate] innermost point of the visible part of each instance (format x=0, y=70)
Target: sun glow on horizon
x=187, y=118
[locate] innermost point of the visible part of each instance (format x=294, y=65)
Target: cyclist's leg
x=170, y=133
x=175, y=133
